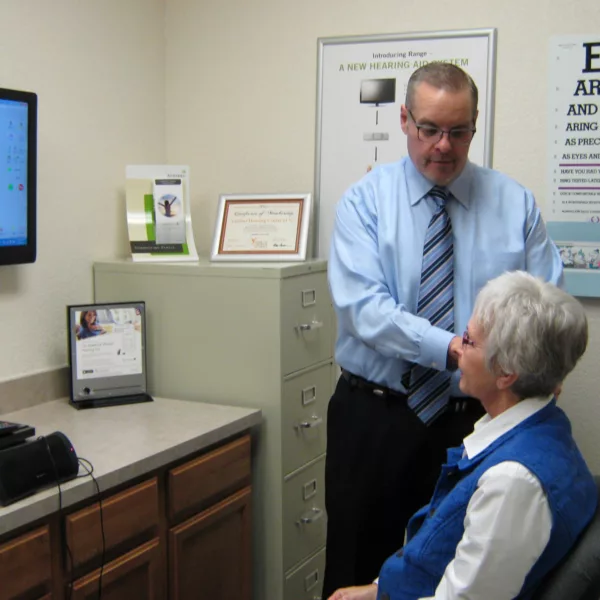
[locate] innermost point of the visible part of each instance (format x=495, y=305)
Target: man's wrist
x=434, y=348
x=453, y=348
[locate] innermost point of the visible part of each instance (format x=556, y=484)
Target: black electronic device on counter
x=12, y=434
x=30, y=466
x=7, y=427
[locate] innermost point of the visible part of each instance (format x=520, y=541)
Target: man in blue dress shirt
x=383, y=458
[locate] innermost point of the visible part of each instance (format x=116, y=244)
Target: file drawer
x=306, y=582
x=306, y=322
x=304, y=416
x=304, y=523
x=209, y=478
x=129, y=518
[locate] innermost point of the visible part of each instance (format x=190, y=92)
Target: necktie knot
x=439, y=194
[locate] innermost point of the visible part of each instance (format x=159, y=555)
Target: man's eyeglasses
x=432, y=134
x=466, y=340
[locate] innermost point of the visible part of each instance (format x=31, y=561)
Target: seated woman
x=88, y=326
x=511, y=502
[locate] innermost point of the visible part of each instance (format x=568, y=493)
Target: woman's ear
x=504, y=381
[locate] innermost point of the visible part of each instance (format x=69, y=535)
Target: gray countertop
x=122, y=443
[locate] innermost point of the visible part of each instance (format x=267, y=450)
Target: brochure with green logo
x=159, y=222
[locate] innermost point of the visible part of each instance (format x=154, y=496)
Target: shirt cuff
x=434, y=348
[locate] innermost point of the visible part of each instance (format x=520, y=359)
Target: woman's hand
x=363, y=592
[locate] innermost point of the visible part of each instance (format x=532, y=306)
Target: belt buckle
x=460, y=406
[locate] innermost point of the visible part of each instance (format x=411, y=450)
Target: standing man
x=414, y=241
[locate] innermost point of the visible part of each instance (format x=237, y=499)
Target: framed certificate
x=262, y=227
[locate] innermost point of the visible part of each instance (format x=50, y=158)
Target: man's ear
x=404, y=119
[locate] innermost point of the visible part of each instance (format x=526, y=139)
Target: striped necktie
x=429, y=389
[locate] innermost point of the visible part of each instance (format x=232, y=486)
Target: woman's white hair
x=532, y=329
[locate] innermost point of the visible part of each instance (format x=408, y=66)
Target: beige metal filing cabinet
x=258, y=335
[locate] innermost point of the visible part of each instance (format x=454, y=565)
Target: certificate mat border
x=299, y=254
x=490, y=34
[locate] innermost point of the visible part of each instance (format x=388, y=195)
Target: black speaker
x=30, y=466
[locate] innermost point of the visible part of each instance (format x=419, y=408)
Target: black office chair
x=577, y=577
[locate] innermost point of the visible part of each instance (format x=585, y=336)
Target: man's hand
x=363, y=592
x=453, y=348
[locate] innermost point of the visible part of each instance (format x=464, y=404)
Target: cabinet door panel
x=130, y=517
x=135, y=575
x=25, y=567
x=209, y=478
x=210, y=554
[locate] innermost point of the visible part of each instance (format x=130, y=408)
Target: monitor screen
x=107, y=350
x=377, y=91
x=18, y=165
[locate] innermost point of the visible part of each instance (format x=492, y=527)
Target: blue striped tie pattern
x=429, y=389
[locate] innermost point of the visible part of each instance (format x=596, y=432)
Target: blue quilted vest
x=543, y=443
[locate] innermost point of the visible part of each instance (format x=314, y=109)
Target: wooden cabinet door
x=135, y=575
x=210, y=555
x=128, y=519
x=200, y=483
x=25, y=567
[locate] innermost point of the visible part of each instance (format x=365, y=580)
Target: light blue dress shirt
x=376, y=253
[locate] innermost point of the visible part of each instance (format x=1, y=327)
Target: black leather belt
x=376, y=389
x=456, y=404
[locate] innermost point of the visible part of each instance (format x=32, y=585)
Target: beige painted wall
x=241, y=96
x=239, y=92
x=98, y=70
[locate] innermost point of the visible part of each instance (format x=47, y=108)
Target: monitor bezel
x=15, y=255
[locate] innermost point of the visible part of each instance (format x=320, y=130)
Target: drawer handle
x=314, y=514
x=310, y=326
x=316, y=421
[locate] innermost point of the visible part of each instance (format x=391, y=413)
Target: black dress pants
x=382, y=465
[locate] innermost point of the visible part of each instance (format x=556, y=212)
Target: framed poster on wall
x=573, y=176
x=361, y=85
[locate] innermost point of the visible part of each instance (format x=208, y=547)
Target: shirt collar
x=488, y=430
x=419, y=185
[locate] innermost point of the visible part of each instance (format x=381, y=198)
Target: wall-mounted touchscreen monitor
x=18, y=175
